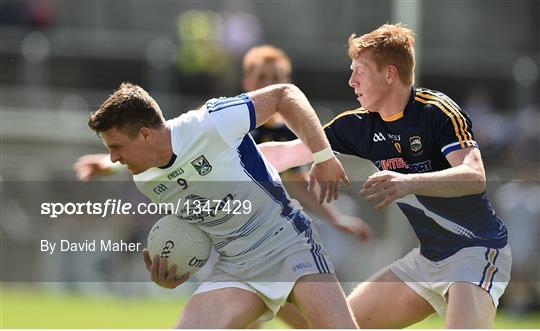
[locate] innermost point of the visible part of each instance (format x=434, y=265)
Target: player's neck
x=163, y=148
x=396, y=102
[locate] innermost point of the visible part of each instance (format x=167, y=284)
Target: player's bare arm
x=91, y=165
x=287, y=154
x=290, y=154
x=292, y=104
x=465, y=177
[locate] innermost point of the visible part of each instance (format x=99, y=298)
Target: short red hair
x=265, y=53
x=389, y=44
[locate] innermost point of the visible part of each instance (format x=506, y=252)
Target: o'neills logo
x=175, y=174
x=196, y=262
x=302, y=265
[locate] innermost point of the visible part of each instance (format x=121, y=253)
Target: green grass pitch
x=35, y=308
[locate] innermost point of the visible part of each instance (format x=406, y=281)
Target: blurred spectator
x=512, y=138
x=38, y=14
x=524, y=146
x=517, y=203
x=490, y=128
x=13, y=12
x=42, y=13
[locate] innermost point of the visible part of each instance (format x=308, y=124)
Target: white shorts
x=488, y=268
x=273, y=284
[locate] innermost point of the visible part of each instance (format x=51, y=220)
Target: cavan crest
x=202, y=165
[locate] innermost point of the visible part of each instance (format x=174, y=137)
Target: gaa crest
x=202, y=165
x=416, y=145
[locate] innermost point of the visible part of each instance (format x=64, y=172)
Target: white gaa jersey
x=215, y=172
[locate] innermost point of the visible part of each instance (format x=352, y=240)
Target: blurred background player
x=262, y=66
x=266, y=65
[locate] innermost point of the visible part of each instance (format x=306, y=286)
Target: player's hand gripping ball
x=181, y=243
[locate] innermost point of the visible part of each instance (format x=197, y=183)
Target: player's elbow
x=478, y=181
x=291, y=100
x=289, y=90
x=475, y=171
x=478, y=187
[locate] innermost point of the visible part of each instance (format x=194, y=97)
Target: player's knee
x=188, y=321
x=469, y=306
x=480, y=321
x=223, y=321
x=333, y=322
x=365, y=322
x=363, y=317
x=471, y=317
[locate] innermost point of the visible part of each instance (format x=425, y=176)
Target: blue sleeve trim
x=451, y=149
x=252, y=118
x=456, y=145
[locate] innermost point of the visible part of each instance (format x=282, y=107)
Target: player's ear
x=391, y=73
x=145, y=133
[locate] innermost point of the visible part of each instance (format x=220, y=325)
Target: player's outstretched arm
x=290, y=154
x=284, y=155
x=465, y=177
x=292, y=104
x=91, y=165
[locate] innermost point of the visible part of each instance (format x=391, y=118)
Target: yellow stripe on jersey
x=491, y=268
x=456, y=113
x=450, y=105
x=392, y=118
x=447, y=112
x=345, y=113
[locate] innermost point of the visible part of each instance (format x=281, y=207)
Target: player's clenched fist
x=158, y=271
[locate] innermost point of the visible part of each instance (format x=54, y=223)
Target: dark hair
x=128, y=109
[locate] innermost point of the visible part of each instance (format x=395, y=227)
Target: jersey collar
x=408, y=107
x=171, y=162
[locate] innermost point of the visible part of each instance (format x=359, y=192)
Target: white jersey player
x=218, y=181
x=206, y=164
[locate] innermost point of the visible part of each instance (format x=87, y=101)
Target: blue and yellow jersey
x=417, y=140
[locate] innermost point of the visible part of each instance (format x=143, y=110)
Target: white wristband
x=324, y=155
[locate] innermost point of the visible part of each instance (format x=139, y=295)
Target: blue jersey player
x=430, y=165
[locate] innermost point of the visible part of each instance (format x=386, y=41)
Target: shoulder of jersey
x=436, y=101
x=359, y=114
x=188, y=116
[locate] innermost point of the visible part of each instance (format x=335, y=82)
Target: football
x=180, y=243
